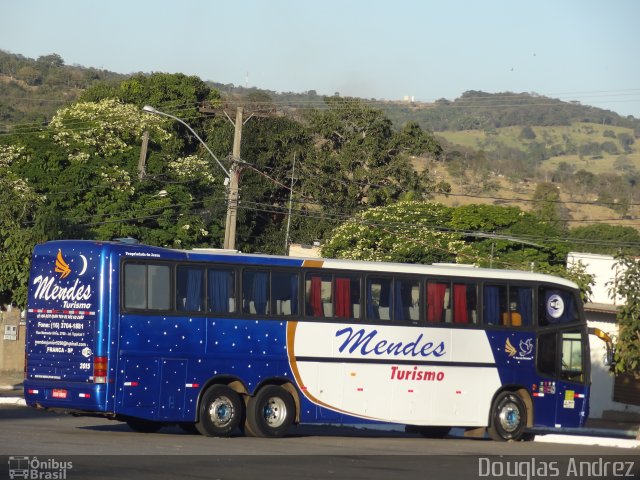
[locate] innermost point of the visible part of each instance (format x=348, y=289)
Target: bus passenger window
x=465, y=299
x=379, y=299
x=221, y=291
x=284, y=293
x=407, y=300
x=189, y=289
x=495, y=304
x=318, y=296
x=135, y=281
x=520, y=307
x=255, y=292
x=556, y=306
x=158, y=287
x=347, y=295
x=438, y=302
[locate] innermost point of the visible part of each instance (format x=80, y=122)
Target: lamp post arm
x=150, y=109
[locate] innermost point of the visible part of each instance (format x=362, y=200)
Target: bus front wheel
x=270, y=413
x=508, y=417
x=220, y=411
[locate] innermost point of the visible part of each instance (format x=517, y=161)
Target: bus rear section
x=66, y=362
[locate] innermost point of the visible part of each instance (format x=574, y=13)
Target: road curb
x=602, y=439
x=19, y=401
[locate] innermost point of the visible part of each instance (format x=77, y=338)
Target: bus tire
x=270, y=413
x=508, y=418
x=220, y=411
x=143, y=426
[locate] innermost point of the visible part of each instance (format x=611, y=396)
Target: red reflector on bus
x=84, y=395
x=32, y=391
x=131, y=384
x=100, y=370
x=58, y=393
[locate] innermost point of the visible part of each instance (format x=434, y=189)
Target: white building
x=601, y=313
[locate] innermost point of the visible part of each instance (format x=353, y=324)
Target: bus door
x=561, y=394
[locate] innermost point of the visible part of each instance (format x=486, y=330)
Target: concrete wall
x=11, y=351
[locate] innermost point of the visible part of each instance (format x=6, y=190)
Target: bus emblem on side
x=510, y=349
x=61, y=266
x=555, y=306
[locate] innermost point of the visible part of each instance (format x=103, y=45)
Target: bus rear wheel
x=270, y=413
x=508, y=418
x=220, y=411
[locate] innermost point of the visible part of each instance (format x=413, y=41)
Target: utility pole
x=234, y=174
x=236, y=167
x=143, y=155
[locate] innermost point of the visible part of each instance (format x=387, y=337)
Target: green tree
x=611, y=239
x=406, y=231
x=358, y=161
x=627, y=285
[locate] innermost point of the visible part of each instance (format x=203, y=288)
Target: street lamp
x=230, y=228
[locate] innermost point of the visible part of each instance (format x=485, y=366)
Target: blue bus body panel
x=66, y=326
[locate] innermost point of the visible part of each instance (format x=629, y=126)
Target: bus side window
x=379, y=298
x=189, y=289
x=438, y=302
x=465, y=299
x=347, y=297
x=284, y=293
x=547, y=354
x=255, y=292
x=571, y=356
x=135, y=286
x=319, y=295
x=221, y=290
x=495, y=304
x=520, y=307
x=158, y=287
x=556, y=306
x=406, y=306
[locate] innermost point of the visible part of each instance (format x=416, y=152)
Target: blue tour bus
x=219, y=341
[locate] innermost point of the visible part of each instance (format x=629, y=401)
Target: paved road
x=100, y=448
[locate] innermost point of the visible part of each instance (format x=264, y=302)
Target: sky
x=582, y=50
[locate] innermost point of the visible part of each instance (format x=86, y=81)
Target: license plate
x=57, y=393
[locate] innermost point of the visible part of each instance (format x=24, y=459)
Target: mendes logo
x=368, y=342
x=525, y=349
x=48, y=289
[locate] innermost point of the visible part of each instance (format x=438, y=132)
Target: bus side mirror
x=610, y=357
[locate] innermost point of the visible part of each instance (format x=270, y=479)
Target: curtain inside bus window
x=492, y=305
x=294, y=294
x=436, y=301
x=525, y=305
x=398, y=304
x=284, y=293
x=194, y=293
x=315, y=296
x=220, y=291
x=460, y=309
x=260, y=292
x=343, y=297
